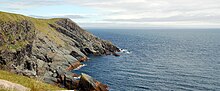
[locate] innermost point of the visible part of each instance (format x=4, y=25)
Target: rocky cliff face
x=47, y=49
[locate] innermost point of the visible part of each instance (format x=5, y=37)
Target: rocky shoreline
x=48, y=49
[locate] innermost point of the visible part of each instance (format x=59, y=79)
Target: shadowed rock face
x=46, y=48
x=87, y=83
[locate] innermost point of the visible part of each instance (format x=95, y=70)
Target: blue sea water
x=159, y=59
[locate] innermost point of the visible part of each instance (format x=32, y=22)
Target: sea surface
x=159, y=60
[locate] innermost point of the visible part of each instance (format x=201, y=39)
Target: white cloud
x=199, y=11
x=72, y=16
x=142, y=12
x=24, y=4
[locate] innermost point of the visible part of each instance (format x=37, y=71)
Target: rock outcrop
x=9, y=86
x=87, y=83
x=47, y=49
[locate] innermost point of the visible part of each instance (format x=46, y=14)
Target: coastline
x=48, y=49
x=83, y=80
x=78, y=65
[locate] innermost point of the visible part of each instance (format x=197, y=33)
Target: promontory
x=48, y=49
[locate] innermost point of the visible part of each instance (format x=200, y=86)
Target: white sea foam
x=125, y=51
x=80, y=67
x=77, y=78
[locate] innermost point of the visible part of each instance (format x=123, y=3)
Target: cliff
x=47, y=49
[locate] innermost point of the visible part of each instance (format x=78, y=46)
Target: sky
x=123, y=13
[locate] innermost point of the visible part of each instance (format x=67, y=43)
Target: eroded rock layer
x=47, y=49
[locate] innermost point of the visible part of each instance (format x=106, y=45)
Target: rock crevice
x=47, y=49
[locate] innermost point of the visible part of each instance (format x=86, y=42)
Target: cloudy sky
x=123, y=13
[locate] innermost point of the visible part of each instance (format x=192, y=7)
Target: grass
x=3, y=89
x=41, y=25
x=10, y=17
x=33, y=84
x=17, y=46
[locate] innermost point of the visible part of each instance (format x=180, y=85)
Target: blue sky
x=123, y=13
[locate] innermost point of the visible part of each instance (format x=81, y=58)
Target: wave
x=125, y=51
x=80, y=67
x=77, y=78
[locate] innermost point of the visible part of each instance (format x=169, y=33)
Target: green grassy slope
x=15, y=38
x=39, y=25
x=33, y=84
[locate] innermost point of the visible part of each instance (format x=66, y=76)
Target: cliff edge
x=47, y=49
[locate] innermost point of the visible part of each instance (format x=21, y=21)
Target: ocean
x=159, y=60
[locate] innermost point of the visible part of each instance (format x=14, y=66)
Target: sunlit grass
x=33, y=84
x=41, y=25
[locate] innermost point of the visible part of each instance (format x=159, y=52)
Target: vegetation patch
x=33, y=84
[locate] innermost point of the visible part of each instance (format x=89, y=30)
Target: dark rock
x=75, y=75
x=101, y=87
x=2, y=61
x=83, y=59
x=115, y=54
x=86, y=83
x=108, y=53
x=49, y=50
x=75, y=54
x=74, y=65
x=67, y=81
x=50, y=80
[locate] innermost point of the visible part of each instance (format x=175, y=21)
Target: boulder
x=40, y=63
x=67, y=81
x=9, y=86
x=29, y=73
x=87, y=83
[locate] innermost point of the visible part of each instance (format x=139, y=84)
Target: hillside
x=33, y=84
x=47, y=49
